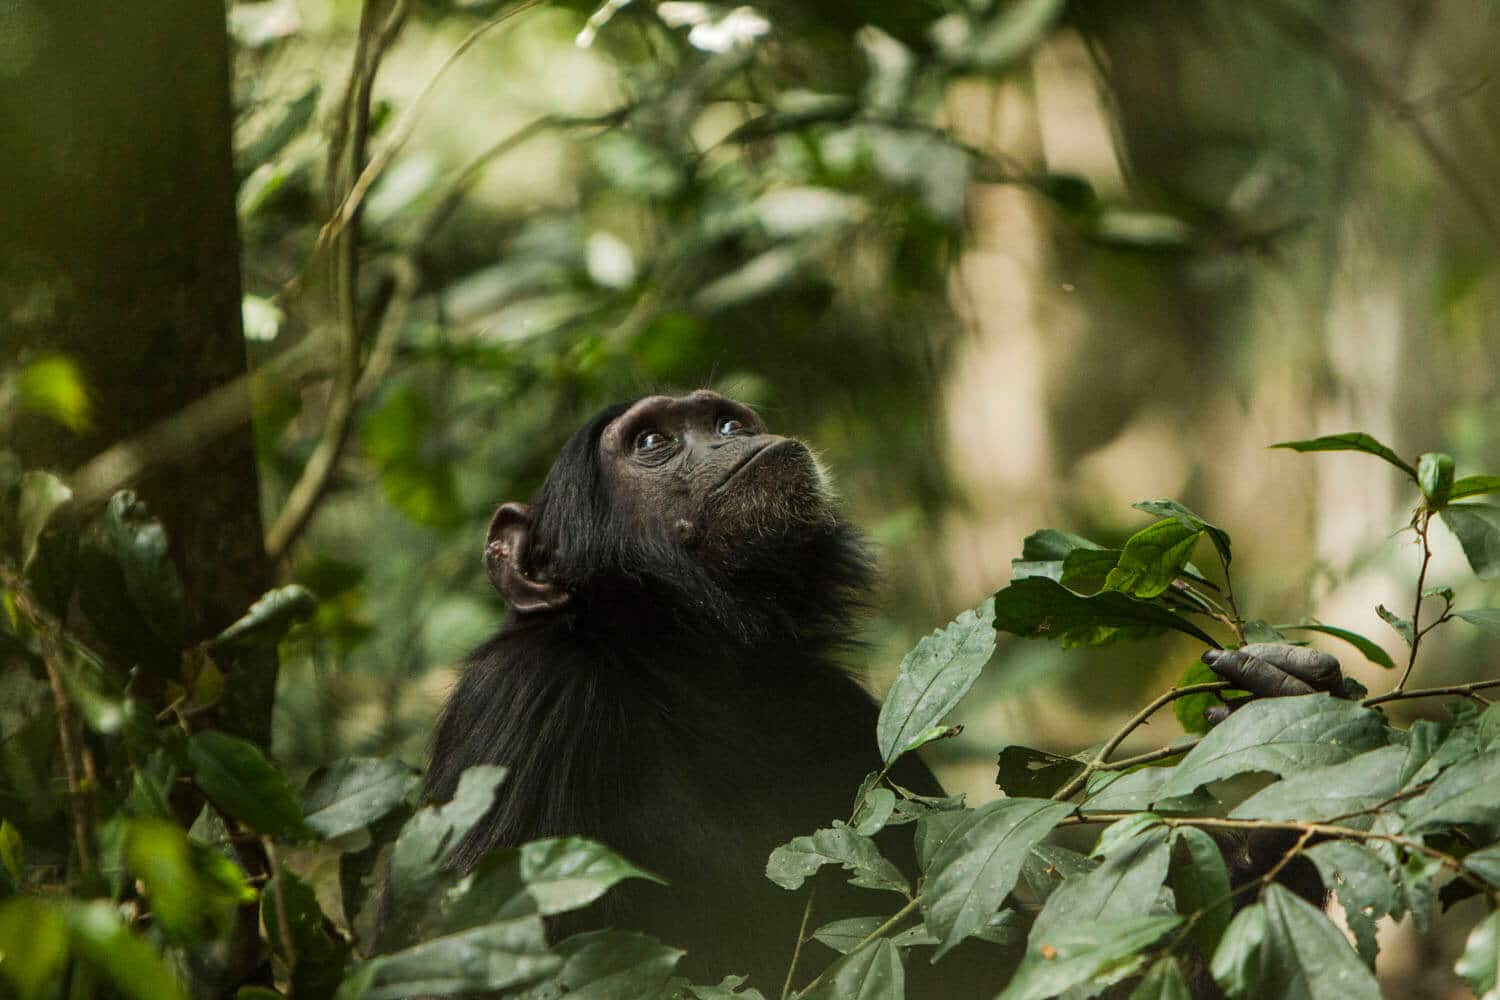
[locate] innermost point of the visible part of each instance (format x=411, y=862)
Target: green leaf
x=1038, y=608
x=1486, y=620
x=1353, y=441
x=1369, y=649
x=1305, y=957
x=99, y=935
x=1473, y=486
x=1281, y=736
x=1480, y=961
x=1464, y=793
x=320, y=955
x=729, y=988
x=12, y=851
x=934, y=830
x=1152, y=558
x=1402, y=626
x=1364, y=885
x=269, y=618
x=1163, y=981
x=489, y=957
x=53, y=385
x=1477, y=527
x=792, y=863
x=978, y=863
x=565, y=873
x=1200, y=882
x=872, y=973
x=239, y=779
x=1317, y=794
x=615, y=965
x=1485, y=863
x=139, y=542
x=33, y=945
x=1189, y=520
x=875, y=809
x=938, y=671
x=1097, y=954
x=1435, y=477
x=1034, y=773
x=190, y=899
x=47, y=523
x=843, y=936
x=1126, y=884
x=1071, y=560
x=352, y=793
x=1236, y=962
x=1189, y=709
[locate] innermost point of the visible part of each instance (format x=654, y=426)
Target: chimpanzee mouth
x=752, y=458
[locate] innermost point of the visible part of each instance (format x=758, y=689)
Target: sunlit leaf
x=1352, y=441
x=53, y=385
x=564, y=873
x=354, y=792
x=933, y=677
x=1435, y=477
x=33, y=945
x=1152, y=558
x=792, y=863
x=1188, y=519
x=1473, y=486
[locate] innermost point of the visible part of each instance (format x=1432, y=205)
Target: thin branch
x=1433, y=692
x=878, y=932
x=288, y=949
x=786, y=987
x=1149, y=757
x=1417, y=631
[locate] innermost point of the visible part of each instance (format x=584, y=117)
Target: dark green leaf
x=1464, y=793
x=875, y=810
x=791, y=863
x=1200, y=884
x=1051, y=545
x=1305, y=957
x=34, y=945
x=1402, y=626
x=1189, y=520
x=1486, y=864
x=1371, y=651
x=729, y=988
x=47, y=523
x=99, y=935
x=872, y=973
x=844, y=935
x=938, y=671
x=1047, y=866
x=1317, y=794
x=239, y=779
x=1364, y=886
x=933, y=831
x=187, y=901
x=565, y=873
x=1189, y=709
x=489, y=957
x=1097, y=954
x=1479, y=965
x=1126, y=884
x=139, y=542
x=1163, y=981
x=269, y=618
x=1353, y=441
x=615, y=965
x=1419, y=878
x=1473, y=486
x=354, y=792
x=1043, y=609
x=1477, y=527
x=1034, y=773
x=978, y=864
x=1485, y=619
x=1152, y=558
x=1236, y=963
x=320, y=955
x=1281, y=736
x=1435, y=477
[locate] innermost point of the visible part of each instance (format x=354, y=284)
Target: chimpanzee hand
x=1269, y=669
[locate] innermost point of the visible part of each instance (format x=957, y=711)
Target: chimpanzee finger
x=1254, y=674
x=1303, y=662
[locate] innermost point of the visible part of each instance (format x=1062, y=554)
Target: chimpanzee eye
x=728, y=426
x=651, y=440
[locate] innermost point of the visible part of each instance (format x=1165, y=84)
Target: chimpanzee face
x=705, y=468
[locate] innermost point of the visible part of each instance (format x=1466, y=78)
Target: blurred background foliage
x=1005, y=264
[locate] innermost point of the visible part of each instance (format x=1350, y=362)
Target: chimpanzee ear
x=505, y=552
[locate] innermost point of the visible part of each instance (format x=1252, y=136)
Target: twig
x=878, y=932
x=1149, y=756
x=1420, y=525
x=1102, y=757
x=288, y=949
x=786, y=987
x=1433, y=692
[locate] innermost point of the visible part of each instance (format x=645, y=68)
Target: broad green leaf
x=1477, y=528
x=33, y=945
x=1419, y=878
x=1473, y=486
x=565, y=873
x=792, y=863
x=1046, y=867
x=1236, y=962
x=12, y=851
x=1282, y=736
x=1464, y=793
x=43, y=500
x=1191, y=521
x=320, y=955
x=1369, y=649
x=729, y=988
x=1038, y=608
x=1071, y=560
x=938, y=671
x=1485, y=863
x=1435, y=477
x=1364, y=886
x=489, y=957
x=872, y=973
x=1189, y=709
x=1305, y=957
x=139, y=543
x=1353, y=441
x=47, y=523
x=1096, y=954
x=1152, y=558
x=99, y=935
x=1200, y=884
x=352, y=793
x=187, y=901
x=1052, y=545
x=96, y=693
x=1479, y=965
x=1163, y=981
x=1317, y=794
x=1402, y=626
x=1127, y=883
x=843, y=936
x=1034, y=773
x=269, y=618
x=875, y=810
x=978, y=863
x=241, y=781
x=615, y=965
x=930, y=735
x=53, y=385
x=934, y=830
x=1485, y=619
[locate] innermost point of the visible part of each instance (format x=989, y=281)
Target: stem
x=1433, y=692
x=288, y=950
x=75, y=759
x=1149, y=756
x=1416, y=612
x=1102, y=757
x=786, y=987
x=878, y=932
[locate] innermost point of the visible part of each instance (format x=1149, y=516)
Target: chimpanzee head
x=688, y=494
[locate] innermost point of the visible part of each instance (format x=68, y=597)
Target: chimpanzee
x=669, y=678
